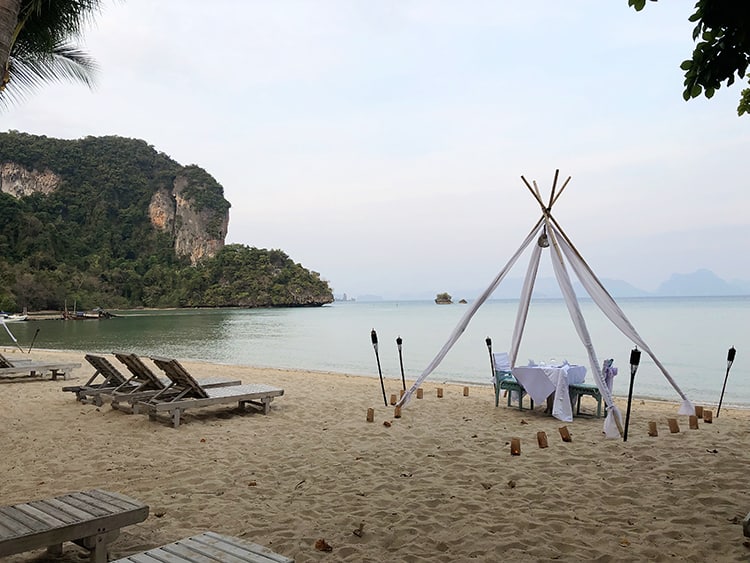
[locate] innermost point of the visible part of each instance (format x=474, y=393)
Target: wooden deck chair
x=26, y=371
x=209, y=546
x=144, y=383
x=5, y=363
x=91, y=392
x=90, y=519
x=184, y=393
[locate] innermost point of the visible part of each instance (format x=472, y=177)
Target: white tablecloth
x=542, y=381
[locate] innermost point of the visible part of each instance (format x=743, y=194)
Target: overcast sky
x=382, y=143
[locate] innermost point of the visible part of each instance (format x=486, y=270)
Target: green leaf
x=696, y=91
x=686, y=65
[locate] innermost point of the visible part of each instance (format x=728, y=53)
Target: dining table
x=544, y=381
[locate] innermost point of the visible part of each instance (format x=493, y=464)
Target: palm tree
x=35, y=44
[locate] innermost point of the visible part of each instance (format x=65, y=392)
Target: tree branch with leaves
x=722, y=51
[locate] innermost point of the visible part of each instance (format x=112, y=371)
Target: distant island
x=110, y=222
x=700, y=283
x=444, y=299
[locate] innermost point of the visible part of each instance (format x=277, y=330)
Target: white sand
x=439, y=484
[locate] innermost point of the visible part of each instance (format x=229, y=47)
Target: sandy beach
x=437, y=484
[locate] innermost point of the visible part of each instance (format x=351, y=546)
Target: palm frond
x=31, y=70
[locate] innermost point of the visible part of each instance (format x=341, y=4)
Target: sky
x=382, y=144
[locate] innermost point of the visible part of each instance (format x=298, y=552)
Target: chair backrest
x=609, y=372
x=146, y=378
x=180, y=377
x=106, y=369
x=5, y=362
x=501, y=361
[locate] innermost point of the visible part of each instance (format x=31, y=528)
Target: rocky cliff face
x=18, y=181
x=197, y=234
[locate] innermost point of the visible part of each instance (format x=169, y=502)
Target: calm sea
x=690, y=336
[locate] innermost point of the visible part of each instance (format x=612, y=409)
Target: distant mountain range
x=701, y=283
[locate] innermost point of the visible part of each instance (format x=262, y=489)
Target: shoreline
x=434, y=381
x=437, y=484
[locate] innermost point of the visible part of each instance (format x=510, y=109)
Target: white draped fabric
x=613, y=421
x=13, y=338
x=464, y=322
x=561, y=250
x=612, y=311
x=523, y=304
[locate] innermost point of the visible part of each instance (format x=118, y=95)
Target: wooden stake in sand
x=565, y=434
x=515, y=446
x=393, y=399
x=674, y=428
x=541, y=439
x=420, y=393
x=699, y=411
x=466, y=391
x=439, y=392
x=693, y=422
x=370, y=415
x=397, y=412
x=708, y=417
x=652, y=431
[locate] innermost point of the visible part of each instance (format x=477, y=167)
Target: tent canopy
x=549, y=235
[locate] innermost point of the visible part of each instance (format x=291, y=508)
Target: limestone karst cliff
x=197, y=231
x=113, y=222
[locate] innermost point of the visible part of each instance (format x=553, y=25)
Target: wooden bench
x=578, y=390
x=91, y=519
x=209, y=546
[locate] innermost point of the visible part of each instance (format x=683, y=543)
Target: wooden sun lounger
x=185, y=393
x=92, y=392
x=27, y=371
x=91, y=519
x=144, y=383
x=208, y=546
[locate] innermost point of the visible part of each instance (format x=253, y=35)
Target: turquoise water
x=690, y=336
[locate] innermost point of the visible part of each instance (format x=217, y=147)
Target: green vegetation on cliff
x=76, y=225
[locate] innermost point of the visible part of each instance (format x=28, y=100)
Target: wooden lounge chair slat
x=142, y=375
x=91, y=519
x=116, y=500
x=63, y=504
x=42, y=515
x=91, y=391
x=186, y=393
x=50, y=508
x=146, y=385
x=209, y=547
x=18, y=522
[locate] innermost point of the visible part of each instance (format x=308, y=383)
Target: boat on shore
x=13, y=318
x=96, y=314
